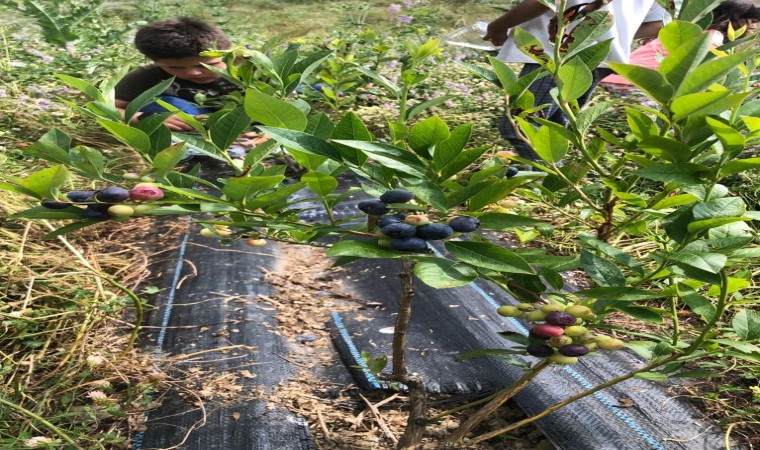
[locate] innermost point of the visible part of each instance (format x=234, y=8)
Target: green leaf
x=145, y=98
x=45, y=182
x=491, y=192
x=588, y=31
x=389, y=156
x=684, y=59
x=652, y=376
x=612, y=252
x=588, y=116
x=52, y=146
x=501, y=221
x=740, y=165
x=462, y=161
x=302, y=141
x=319, y=182
x=422, y=106
x=619, y=294
x=712, y=71
x=84, y=86
x=273, y=112
x=746, y=324
x=363, y=249
x=229, y=127
x=390, y=86
x=641, y=313
x=239, y=189
x=87, y=160
x=693, y=10
x=575, y=79
x=40, y=212
x=704, y=103
x=650, y=81
x=489, y=256
x=428, y=192
x=700, y=305
x=67, y=229
x=426, y=134
x=505, y=75
x=550, y=145
x=450, y=148
x=709, y=262
x=744, y=347
x=166, y=159
x=682, y=173
x=441, y=273
x=722, y=207
x=600, y=270
x=131, y=136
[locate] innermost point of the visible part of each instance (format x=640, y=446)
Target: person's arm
x=174, y=123
x=648, y=30
x=525, y=11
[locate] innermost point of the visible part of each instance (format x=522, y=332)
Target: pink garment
x=650, y=54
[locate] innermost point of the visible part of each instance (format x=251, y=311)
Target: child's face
x=191, y=68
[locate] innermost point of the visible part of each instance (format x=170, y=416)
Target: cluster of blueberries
x=561, y=337
x=106, y=204
x=410, y=233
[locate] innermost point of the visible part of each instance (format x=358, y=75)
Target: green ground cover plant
x=653, y=226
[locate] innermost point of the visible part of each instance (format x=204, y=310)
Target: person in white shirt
x=632, y=19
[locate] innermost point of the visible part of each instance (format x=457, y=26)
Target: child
x=174, y=46
x=738, y=13
x=632, y=19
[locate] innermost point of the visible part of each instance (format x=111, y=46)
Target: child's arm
x=525, y=11
x=174, y=123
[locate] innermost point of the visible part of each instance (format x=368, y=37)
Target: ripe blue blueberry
x=539, y=350
x=80, y=196
x=389, y=219
x=399, y=230
x=434, y=231
x=411, y=244
x=96, y=212
x=396, y=196
x=113, y=194
x=464, y=224
x=54, y=204
x=512, y=171
x=373, y=207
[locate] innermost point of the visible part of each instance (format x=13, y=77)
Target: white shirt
x=627, y=14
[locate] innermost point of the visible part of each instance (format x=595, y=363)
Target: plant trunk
x=415, y=425
x=473, y=421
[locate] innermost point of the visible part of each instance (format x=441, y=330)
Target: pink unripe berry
x=145, y=192
x=546, y=331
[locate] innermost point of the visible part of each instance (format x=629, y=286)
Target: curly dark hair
x=736, y=12
x=179, y=38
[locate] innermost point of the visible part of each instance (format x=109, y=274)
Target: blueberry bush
x=658, y=187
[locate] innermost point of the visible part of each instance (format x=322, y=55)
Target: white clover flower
x=99, y=398
x=39, y=442
x=94, y=360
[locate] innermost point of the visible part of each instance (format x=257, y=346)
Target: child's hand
x=174, y=123
x=251, y=139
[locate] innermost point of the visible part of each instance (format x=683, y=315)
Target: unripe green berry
x=536, y=315
x=508, y=311
x=576, y=331
x=610, y=344
x=559, y=358
x=525, y=307
x=553, y=307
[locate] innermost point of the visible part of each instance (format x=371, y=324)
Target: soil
x=341, y=416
